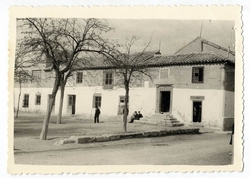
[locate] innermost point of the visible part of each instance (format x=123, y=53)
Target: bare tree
x=65, y=43
x=130, y=63
x=23, y=62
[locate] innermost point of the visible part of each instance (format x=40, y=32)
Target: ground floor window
x=38, y=99
x=26, y=101
x=97, y=100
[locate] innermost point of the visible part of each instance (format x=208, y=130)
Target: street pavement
x=201, y=149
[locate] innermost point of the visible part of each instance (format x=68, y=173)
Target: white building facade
x=196, y=87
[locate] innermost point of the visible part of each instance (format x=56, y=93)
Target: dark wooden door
x=197, y=111
x=74, y=104
x=165, y=101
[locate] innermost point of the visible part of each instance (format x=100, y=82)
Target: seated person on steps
x=135, y=116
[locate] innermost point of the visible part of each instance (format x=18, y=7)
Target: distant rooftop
x=209, y=43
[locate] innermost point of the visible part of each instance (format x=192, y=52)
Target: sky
x=171, y=35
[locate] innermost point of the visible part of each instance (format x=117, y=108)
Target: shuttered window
x=164, y=73
x=197, y=74
x=79, y=77
x=38, y=99
x=108, y=79
x=36, y=76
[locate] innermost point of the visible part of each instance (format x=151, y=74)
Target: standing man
x=97, y=113
x=232, y=134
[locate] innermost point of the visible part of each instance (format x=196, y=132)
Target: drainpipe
x=223, y=78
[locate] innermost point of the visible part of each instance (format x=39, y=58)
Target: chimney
x=158, y=53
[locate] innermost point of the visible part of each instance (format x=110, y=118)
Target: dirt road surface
x=201, y=149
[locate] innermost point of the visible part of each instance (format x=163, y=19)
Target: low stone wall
x=112, y=137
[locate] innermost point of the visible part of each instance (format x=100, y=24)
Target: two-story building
x=195, y=85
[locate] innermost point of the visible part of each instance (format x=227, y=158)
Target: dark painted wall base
x=227, y=124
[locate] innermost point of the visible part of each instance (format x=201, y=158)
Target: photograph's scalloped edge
x=36, y=169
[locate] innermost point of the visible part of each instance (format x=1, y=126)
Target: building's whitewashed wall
x=141, y=99
x=212, y=106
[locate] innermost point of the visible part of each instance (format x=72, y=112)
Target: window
x=26, y=101
x=97, y=100
x=198, y=75
x=79, y=77
x=38, y=99
x=108, y=80
x=138, y=78
x=163, y=73
x=23, y=76
x=122, y=99
x=36, y=75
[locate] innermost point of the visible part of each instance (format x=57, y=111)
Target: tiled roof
x=174, y=60
x=190, y=58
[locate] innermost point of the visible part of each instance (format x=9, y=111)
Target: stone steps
x=161, y=119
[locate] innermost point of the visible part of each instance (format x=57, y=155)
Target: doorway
x=165, y=101
x=72, y=104
x=197, y=111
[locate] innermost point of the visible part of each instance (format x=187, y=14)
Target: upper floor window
x=38, y=99
x=79, y=77
x=108, y=79
x=164, y=73
x=26, y=101
x=138, y=80
x=22, y=76
x=36, y=75
x=198, y=75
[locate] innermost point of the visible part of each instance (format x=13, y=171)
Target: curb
x=113, y=137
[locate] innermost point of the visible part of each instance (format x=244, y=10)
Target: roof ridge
x=186, y=45
x=209, y=43
x=194, y=53
x=216, y=45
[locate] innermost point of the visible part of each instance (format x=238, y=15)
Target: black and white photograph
x=123, y=91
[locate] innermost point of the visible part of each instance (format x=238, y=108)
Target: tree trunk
x=125, y=115
x=19, y=96
x=59, y=117
x=43, y=135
